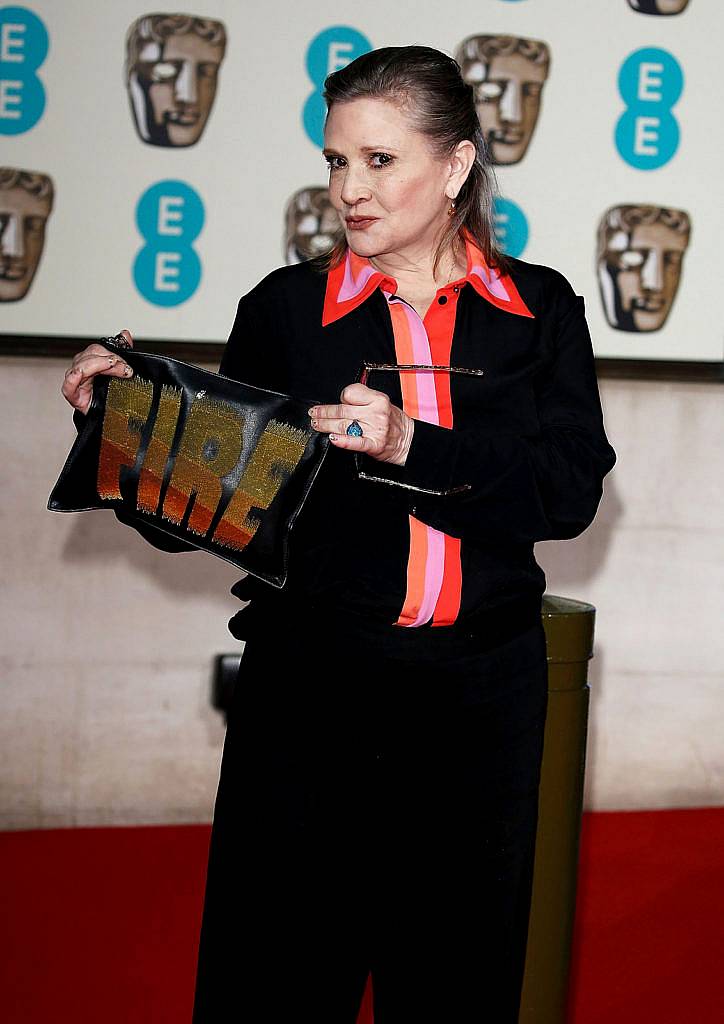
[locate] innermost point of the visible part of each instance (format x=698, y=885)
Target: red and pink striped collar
x=354, y=279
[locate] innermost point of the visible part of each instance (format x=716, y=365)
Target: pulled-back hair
x=428, y=86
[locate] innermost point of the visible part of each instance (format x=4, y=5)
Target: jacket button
x=442, y=300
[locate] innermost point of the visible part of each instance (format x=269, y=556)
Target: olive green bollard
x=569, y=627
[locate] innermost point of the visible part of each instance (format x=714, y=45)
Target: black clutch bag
x=220, y=465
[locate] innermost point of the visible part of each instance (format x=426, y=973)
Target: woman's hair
x=429, y=87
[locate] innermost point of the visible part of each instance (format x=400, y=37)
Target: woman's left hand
x=387, y=430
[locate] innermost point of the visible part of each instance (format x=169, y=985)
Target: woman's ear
x=460, y=164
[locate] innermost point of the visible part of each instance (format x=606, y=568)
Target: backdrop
x=155, y=165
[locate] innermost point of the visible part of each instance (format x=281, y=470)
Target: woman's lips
x=359, y=223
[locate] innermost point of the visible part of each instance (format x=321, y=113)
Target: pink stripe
x=428, y=411
x=350, y=288
x=425, y=382
x=434, y=569
x=493, y=284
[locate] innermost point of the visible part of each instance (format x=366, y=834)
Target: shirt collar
x=354, y=279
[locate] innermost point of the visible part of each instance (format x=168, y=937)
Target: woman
x=377, y=804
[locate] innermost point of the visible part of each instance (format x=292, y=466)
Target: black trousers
x=376, y=812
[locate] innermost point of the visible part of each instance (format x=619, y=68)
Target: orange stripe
x=440, y=324
x=416, y=562
x=404, y=353
x=448, y=603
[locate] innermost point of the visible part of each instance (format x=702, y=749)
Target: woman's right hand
x=77, y=387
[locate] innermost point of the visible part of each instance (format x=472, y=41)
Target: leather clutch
x=221, y=465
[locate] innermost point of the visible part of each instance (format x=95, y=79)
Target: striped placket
x=434, y=577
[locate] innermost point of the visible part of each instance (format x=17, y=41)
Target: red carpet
x=100, y=925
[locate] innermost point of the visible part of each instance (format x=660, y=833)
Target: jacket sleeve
x=249, y=354
x=523, y=489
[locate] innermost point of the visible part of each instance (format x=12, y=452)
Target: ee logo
x=169, y=216
x=511, y=227
x=23, y=48
x=647, y=133
x=329, y=51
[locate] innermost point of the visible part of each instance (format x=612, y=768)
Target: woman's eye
x=335, y=163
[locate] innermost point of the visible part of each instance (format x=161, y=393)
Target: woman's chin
x=360, y=245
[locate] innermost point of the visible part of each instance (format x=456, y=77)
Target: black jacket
x=529, y=437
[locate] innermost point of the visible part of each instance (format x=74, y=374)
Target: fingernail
x=128, y=371
x=314, y=423
x=332, y=437
x=312, y=411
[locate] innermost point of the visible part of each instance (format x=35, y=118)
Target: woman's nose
x=354, y=189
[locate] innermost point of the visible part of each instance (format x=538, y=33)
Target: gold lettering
x=275, y=457
x=210, y=448
x=154, y=463
x=128, y=404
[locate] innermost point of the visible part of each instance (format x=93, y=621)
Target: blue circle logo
x=170, y=217
x=332, y=49
x=650, y=83
x=23, y=48
x=511, y=227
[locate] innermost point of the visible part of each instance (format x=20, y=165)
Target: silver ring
x=119, y=340
x=355, y=430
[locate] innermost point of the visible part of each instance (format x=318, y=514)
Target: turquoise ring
x=354, y=429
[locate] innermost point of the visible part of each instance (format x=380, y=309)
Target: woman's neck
x=414, y=271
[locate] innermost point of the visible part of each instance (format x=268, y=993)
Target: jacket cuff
x=431, y=460
x=429, y=463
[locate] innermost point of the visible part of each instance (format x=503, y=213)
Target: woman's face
x=384, y=181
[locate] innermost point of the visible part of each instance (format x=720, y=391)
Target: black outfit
x=528, y=436
x=377, y=805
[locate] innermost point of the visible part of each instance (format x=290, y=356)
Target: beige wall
x=107, y=644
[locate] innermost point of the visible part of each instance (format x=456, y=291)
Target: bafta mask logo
x=26, y=199
x=312, y=225
x=658, y=6
x=507, y=74
x=172, y=64
x=640, y=253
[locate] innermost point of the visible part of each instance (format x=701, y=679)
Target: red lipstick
x=359, y=223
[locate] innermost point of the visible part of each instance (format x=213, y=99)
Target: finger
x=360, y=394
x=107, y=363
x=335, y=426
x=92, y=350
x=76, y=391
x=357, y=444
x=335, y=412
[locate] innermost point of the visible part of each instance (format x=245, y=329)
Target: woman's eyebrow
x=362, y=149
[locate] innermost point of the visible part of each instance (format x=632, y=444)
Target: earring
x=451, y=210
